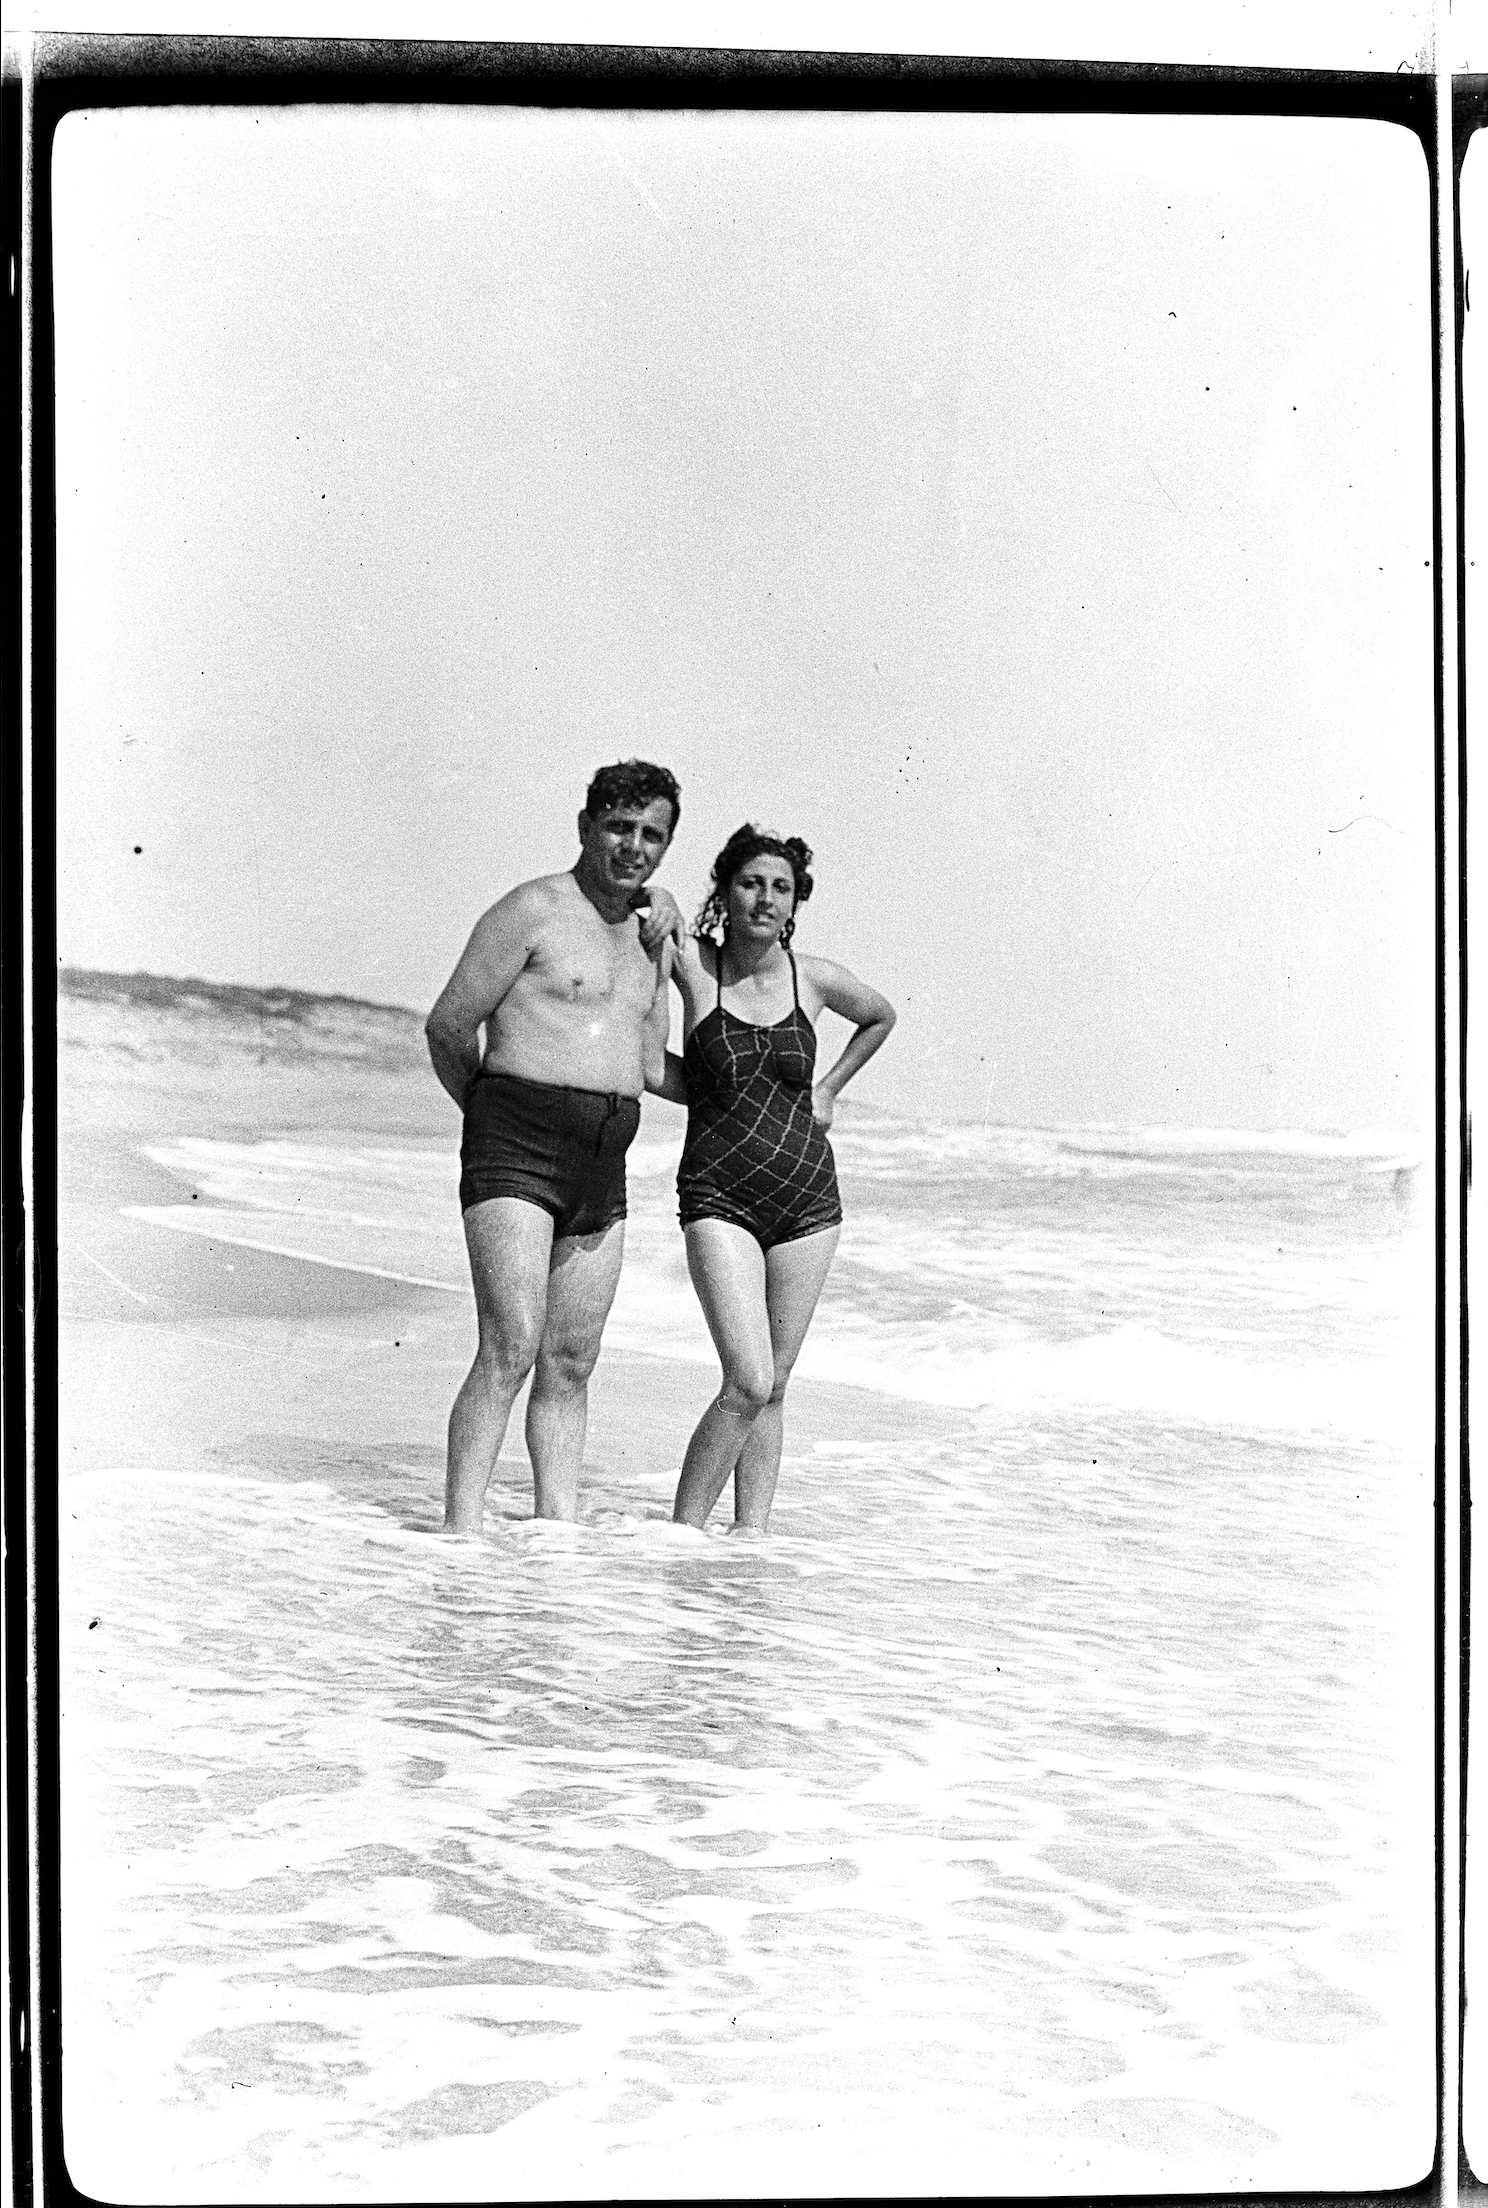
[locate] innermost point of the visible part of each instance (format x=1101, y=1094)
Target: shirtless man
x=573, y=1000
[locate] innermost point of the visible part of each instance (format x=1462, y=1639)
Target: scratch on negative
x=638, y=182
x=92, y=1260
x=1167, y=494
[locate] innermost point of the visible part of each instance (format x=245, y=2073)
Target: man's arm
x=498, y=950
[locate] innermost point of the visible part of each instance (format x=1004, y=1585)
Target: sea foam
x=1274, y=1291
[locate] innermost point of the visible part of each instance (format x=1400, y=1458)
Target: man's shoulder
x=548, y=888
x=544, y=895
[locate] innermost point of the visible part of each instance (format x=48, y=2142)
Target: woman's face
x=761, y=898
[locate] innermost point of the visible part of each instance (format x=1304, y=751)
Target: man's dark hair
x=632, y=782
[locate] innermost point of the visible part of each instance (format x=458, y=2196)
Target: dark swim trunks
x=561, y=1149
x=755, y=1155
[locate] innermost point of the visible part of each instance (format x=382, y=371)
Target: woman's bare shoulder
x=836, y=987
x=818, y=969
x=821, y=975
x=694, y=960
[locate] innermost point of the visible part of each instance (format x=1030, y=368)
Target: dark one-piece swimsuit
x=754, y=1154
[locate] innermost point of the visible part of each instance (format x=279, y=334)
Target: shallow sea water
x=1081, y=1838
x=1046, y=1806
x=1002, y=1270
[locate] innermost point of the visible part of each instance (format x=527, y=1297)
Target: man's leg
x=510, y=1243
x=584, y=1274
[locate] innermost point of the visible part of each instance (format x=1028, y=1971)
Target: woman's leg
x=794, y=1274
x=728, y=1271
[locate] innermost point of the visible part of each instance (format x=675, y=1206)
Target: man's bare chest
x=592, y=968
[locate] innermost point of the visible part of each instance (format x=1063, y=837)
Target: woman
x=757, y=1185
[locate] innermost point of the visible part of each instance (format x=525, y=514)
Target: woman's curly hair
x=744, y=844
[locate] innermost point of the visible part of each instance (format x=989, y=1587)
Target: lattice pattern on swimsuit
x=754, y=1151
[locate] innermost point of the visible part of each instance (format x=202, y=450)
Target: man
x=566, y=978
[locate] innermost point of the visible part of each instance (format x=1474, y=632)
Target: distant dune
x=236, y=998
x=184, y=1016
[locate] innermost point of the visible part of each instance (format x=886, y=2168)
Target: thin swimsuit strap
x=718, y=976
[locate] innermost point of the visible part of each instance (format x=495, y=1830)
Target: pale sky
x=1034, y=513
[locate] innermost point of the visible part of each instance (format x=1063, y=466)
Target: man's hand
x=661, y=918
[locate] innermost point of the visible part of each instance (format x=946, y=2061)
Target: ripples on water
x=1046, y=1806
x=1042, y=1810
x=998, y=1269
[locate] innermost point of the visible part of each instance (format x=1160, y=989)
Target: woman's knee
x=747, y=1383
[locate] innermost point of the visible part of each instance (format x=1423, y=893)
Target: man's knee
x=508, y=1348
x=564, y=1366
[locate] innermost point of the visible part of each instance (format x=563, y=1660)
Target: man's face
x=624, y=845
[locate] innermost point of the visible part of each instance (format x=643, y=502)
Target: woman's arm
x=668, y=1080
x=655, y=1057
x=694, y=982
x=872, y=1016
x=664, y=1075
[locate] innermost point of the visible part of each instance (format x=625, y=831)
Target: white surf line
x=277, y=1249
x=102, y=1268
